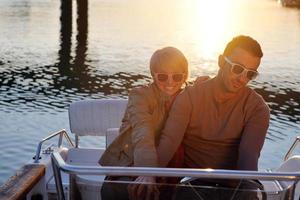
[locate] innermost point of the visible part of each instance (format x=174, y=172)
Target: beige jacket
x=144, y=118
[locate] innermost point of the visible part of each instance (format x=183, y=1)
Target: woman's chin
x=170, y=93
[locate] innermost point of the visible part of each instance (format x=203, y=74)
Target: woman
x=146, y=112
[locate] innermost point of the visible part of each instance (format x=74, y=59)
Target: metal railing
x=59, y=164
x=62, y=134
x=288, y=154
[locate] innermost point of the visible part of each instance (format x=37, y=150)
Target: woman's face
x=169, y=79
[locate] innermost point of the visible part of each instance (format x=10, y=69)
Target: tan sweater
x=217, y=132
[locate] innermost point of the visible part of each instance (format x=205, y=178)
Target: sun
x=209, y=25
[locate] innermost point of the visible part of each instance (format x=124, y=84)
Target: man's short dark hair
x=244, y=42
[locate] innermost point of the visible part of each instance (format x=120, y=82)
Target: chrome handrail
x=59, y=164
x=171, y=172
x=288, y=154
x=62, y=133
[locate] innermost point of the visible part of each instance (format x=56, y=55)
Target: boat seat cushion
x=84, y=157
x=94, y=117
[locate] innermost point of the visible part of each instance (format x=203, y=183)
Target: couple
x=217, y=123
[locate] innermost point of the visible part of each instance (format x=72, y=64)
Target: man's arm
x=175, y=127
x=253, y=137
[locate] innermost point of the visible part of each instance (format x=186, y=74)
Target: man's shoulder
x=253, y=94
x=200, y=80
x=255, y=98
x=192, y=91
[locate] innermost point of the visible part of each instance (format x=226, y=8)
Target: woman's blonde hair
x=168, y=56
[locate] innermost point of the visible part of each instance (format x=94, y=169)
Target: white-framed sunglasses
x=238, y=69
x=163, y=77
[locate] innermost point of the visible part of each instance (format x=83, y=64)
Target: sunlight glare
x=210, y=25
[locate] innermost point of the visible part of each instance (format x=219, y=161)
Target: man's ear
x=221, y=61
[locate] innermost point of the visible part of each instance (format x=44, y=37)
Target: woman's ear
x=221, y=61
x=152, y=75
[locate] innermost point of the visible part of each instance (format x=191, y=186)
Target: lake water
x=49, y=59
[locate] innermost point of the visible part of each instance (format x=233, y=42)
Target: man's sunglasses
x=238, y=69
x=163, y=77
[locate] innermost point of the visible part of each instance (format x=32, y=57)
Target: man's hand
x=143, y=188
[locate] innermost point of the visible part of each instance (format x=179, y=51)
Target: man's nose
x=243, y=77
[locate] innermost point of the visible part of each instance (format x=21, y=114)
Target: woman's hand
x=144, y=187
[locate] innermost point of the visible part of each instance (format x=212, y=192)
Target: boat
x=66, y=171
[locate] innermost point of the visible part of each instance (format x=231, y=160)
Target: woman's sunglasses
x=238, y=69
x=163, y=77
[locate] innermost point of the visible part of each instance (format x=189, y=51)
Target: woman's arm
x=141, y=119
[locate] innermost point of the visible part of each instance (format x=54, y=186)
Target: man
x=221, y=122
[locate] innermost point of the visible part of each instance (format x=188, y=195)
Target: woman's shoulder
x=143, y=90
x=143, y=93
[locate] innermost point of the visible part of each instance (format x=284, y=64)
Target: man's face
x=233, y=82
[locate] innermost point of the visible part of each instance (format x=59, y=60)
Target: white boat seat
x=276, y=188
x=96, y=180
x=291, y=165
x=84, y=156
x=94, y=117
x=89, y=185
